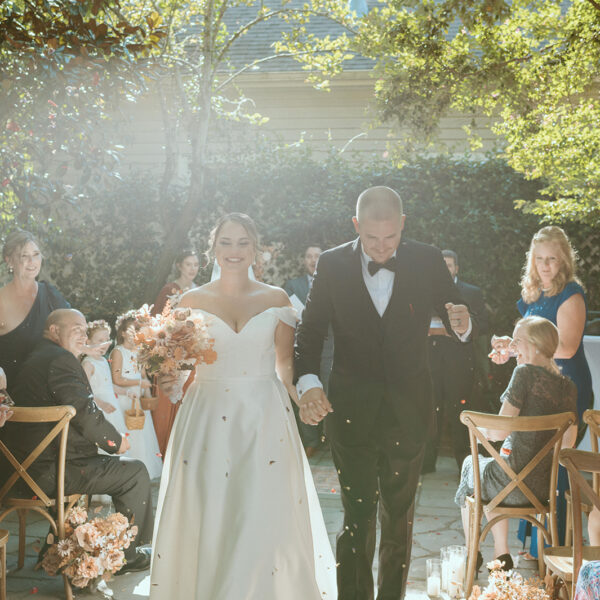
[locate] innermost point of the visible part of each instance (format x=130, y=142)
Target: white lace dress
x=144, y=445
x=238, y=516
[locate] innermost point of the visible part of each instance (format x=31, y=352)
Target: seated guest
x=536, y=388
x=52, y=375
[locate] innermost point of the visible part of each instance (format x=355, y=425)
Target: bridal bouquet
x=92, y=550
x=172, y=341
x=507, y=585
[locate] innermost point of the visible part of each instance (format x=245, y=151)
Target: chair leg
x=3, y=567
x=22, y=513
x=68, y=589
x=473, y=548
x=568, y=524
x=540, y=541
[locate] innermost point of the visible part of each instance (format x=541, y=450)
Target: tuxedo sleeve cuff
x=466, y=336
x=307, y=382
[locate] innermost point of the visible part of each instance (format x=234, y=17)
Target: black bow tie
x=389, y=264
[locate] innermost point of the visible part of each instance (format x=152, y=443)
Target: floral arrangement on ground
x=508, y=585
x=91, y=550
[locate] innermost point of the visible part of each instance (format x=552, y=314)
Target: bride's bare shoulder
x=274, y=296
x=197, y=297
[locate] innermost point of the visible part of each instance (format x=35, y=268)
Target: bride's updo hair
x=241, y=219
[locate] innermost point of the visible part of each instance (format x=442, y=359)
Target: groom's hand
x=459, y=317
x=314, y=406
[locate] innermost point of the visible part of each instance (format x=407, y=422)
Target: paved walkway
x=437, y=524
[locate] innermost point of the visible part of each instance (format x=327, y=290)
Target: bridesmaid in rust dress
x=187, y=265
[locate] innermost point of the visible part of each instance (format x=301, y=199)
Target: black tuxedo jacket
x=51, y=376
x=376, y=359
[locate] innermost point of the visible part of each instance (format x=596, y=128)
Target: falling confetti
x=111, y=443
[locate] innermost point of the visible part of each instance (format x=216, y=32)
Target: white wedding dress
x=238, y=515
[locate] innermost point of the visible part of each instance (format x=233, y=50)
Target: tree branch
x=595, y=4
x=258, y=61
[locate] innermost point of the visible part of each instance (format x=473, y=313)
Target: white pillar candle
x=433, y=585
x=445, y=574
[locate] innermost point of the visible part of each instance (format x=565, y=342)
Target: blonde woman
x=536, y=388
x=551, y=289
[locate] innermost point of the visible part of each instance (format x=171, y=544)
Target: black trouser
x=125, y=480
x=382, y=467
x=452, y=375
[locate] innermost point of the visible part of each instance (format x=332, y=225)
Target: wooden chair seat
x=559, y=559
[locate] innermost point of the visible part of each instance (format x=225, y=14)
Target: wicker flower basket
x=134, y=417
x=149, y=402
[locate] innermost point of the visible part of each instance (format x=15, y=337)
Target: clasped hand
x=314, y=406
x=458, y=314
x=500, y=349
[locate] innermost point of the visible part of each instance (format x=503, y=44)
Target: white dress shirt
x=380, y=287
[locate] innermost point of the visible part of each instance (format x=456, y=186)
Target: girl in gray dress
x=536, y=388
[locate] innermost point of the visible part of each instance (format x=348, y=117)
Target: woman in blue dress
x=551, y=289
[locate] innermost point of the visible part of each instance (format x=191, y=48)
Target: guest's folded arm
x=68, y=387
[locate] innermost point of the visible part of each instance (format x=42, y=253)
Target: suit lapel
x=403, y=284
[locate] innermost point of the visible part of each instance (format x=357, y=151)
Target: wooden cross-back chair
x=564, y=562
x=536, y=512
x=39, y=502
x=592, y=419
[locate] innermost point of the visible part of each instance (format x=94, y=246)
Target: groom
x=378, y=292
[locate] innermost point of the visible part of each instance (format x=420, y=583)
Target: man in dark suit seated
x=52, y=375
x=454, y=366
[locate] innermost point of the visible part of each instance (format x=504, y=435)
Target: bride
x=238, y=515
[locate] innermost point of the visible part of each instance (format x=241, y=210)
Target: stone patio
x=437, y=524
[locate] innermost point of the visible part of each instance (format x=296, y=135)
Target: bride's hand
x=172, y=385
x=314, y=406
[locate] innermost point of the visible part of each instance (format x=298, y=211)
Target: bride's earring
x=11, y=269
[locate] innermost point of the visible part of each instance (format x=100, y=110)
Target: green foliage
x=102, y=255
x=63, y=66
x=531, y=65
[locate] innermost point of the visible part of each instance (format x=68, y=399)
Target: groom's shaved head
x=379, y=203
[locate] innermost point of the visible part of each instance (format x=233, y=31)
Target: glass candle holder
x=457, y=570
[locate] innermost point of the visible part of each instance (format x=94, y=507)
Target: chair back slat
x=61, y=416
x=576, y=461
x=592, y=419
x=559, y=423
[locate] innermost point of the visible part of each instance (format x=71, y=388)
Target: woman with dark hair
x=25, y=303
x=187, y=265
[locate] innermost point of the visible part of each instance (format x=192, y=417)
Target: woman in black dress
x=25, y=303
